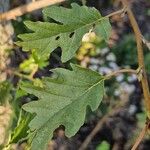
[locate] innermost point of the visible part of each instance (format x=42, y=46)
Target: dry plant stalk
x=144, y=81
x=137, y=33
x=123, y=100
x=141, y=136
x=19, y=11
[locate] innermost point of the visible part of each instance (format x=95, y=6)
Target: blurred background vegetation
x=123, y=93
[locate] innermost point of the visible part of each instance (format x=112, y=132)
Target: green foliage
x=67, y=32
x=126, y=49
x=21, y=131
x=103, y=146
x=64, y=98
x=63, y=101
x=141, y=117
x=34, y=60
x=5, y=88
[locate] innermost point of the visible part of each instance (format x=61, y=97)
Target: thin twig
x=101, y=122
x=144, y=81
x=94, y=132
x=108, y=76
x=137, y=33
x=141, y=136
x=123, y=10
x=19, y=11
x=22, y=75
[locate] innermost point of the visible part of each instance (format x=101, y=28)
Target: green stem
x=23, y=75
x=140, y=53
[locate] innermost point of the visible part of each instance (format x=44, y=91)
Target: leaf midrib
x=71, y=30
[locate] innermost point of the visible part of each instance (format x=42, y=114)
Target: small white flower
x=111, y=57
x=120, y=77
x=104, y=51
x=93, y=67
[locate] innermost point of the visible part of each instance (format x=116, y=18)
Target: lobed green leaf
x=63, y=101
x=67, y=32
